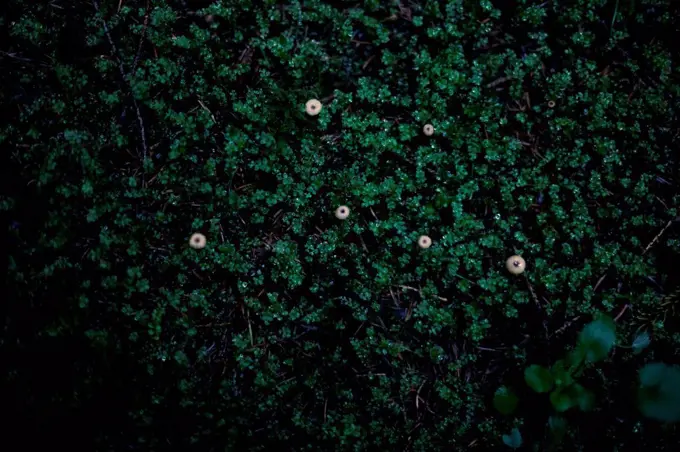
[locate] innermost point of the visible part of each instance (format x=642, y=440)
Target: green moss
x=555, y=139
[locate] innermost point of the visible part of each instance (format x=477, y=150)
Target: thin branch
x=621, y=313
x=419, y=291
x=668, y=225
x=121, y=69
x=141, y=39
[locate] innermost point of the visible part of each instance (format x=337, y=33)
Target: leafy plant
x=641, y=341
x=538, y=378
x=513, y=440
x=659, y=392
x=595, y=342
x=505, y=401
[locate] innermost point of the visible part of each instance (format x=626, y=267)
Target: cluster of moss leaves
x=131, y=125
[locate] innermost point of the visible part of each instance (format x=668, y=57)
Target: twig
x=486, y=349
x=250, y=329
x=621, y=313
x=566, y=325
x=141, y=39
x=121, y=69
x=531, y=289
x=498, y=81
x=12, y=55
x=419, y=291
x=206, y=109
x=616, y=10
x=418, y=393
x=658, y=236
x=599, y=281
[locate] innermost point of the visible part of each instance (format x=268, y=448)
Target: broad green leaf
x=558, y=427
x=597, y=339
x=659, y=392
x=561, y=374
x=505, y=400
x=584, y=398
x=574, y=358
x=641, y=342
x=513, y=440
x=538, y=378
x=562, y=400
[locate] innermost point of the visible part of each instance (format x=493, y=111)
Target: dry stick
x=599, y=281
x=668, y=225
x=419, y=291
x=206, y=109
x=498, y=81
x=121, y=69
x=141, y=39
x=250, y=329
x=531, y=289
x=625, y=306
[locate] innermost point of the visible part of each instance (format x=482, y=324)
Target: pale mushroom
x=197, y=241
x=342, y=212
x=424, y=242
x=313, y=107
x=516, y=265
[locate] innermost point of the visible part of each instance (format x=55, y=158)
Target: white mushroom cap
x=313, y=107
x=424, y=242
x=516, y=265
x=342, y=212
x=197, y=241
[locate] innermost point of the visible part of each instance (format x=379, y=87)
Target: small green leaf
x=584, y=398
x=597, y=339
x=505, y=400
x=561, y=374
x=558, y=427
x=513, y=440
x=574, y=358
x=562, y=400
x=659, y=392
x=641, y=342
x=538, y=378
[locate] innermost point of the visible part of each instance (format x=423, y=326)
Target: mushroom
x=424, y=242
x=313, y=107
x=342, y=212
x=516, y=265
x=428, y=130
x=197, y=241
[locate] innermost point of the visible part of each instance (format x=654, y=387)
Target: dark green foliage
x=505, y=400
x=641, y=341
x=596, y=340
x=659, y=392
x=513, y=440
x=128, y=126
x=538, y=378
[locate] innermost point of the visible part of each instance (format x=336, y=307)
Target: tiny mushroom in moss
x=551, y=104
x=197, y=241
x=342, y=212
x=424, y=242
x=428, y=130
x=313, y=107
x=516, y=265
